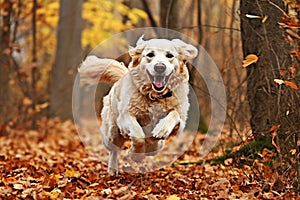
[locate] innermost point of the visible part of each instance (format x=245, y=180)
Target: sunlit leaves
x=104, y=18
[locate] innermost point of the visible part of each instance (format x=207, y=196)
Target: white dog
x=148, y=100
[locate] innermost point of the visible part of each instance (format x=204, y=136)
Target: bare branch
x=211, y=26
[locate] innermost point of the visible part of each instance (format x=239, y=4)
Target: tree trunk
x=270, y=104
x=275, y=112
x=5, y=53
x=169, y=14
x=68, y=56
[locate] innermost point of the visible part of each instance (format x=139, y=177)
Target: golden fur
x=148, y=100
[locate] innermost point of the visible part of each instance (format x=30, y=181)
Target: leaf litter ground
x=53, y=163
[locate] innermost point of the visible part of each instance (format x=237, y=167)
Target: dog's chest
x=148, y=112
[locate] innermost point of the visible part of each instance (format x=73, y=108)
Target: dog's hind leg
x=113, y=141
x=137, y=149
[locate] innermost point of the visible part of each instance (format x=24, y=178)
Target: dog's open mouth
x=159, y=82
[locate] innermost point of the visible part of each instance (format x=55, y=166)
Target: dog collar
x=168, y=94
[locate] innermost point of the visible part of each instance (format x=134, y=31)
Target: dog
x=148, y=100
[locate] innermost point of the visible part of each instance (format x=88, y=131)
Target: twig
x=168, y=13
x=276, y=6
x=17, y=21
x=211, y=26
x=34, y=60
x=199, y=21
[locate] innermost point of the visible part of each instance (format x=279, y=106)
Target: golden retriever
x=148, y=100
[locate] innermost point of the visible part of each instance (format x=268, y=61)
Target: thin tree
x=5, y=66
x=68, y=55
x=273, y=81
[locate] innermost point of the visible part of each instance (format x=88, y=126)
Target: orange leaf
x=292, y=85
x=274, y=132
x=250, y=59
x=282, y=72
x=292, y=70
x=274, y=128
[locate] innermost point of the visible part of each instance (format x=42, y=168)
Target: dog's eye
x=169, y=55
x=150, y=55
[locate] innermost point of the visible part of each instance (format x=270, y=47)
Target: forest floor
x=53, y=163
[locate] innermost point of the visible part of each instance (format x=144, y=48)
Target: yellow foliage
x=104, y=18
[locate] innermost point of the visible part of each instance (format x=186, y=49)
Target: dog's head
x=160, y=59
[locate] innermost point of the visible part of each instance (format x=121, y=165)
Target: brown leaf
x=295, y=53
x=293, y=33
x=274, y=132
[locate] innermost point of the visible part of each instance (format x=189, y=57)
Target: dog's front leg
x=166, y=125
x=113, y=163
x=130, y=126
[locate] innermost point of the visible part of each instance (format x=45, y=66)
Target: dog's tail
x=94, y=70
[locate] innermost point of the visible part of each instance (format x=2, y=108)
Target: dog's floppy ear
x=187, y=51
x=140, y=44
x=135, y=52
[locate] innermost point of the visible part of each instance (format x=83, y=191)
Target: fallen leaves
x=55, y=165
x=250, y=59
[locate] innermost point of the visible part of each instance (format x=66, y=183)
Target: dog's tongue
x=159, y=81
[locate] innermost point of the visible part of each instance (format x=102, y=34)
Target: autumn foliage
x=43, y=157
x=52, y=163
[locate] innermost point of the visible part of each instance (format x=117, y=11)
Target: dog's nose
x=160, y=67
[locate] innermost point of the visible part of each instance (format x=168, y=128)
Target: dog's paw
x=112, y=171
x=165, y=126
x=162, y=130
